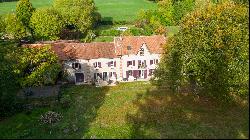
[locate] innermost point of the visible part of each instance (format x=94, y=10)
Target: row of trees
x=210, y=53
x=48, y=23
x=170, y=13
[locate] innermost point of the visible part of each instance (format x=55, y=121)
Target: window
x=141, y=52
x=105, y=76
x=112, y=74
x=154, y=61
x=76, y=65
x=130, y=72
x=112, y=63
x=142, y=64
x=97, y=64
x=151, y=72
x=129, y=63
x=96, y=75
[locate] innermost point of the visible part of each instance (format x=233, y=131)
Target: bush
x=65, y=101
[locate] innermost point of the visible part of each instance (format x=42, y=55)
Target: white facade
x=124, y=68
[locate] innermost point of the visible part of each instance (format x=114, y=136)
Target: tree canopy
x=24, y=11
x=37, y=66
x=47, y=23
x=77, y=13
x=210, y=51
x=15, y=28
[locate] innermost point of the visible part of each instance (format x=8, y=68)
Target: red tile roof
x=153, y=43
x=72, y=50
x=80, y=50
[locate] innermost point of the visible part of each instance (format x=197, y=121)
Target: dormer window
x=128, y=48
x=76, y=66
x=141, y=52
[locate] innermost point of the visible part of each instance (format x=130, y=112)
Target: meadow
x=118, y=10
x=131, y=110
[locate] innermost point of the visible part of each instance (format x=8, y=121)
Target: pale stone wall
x=88, y=69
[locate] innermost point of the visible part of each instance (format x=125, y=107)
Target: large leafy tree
x=210, y=51
x=24, y=67
x=36, y=66
x=24, y=11
x=47, y=24
x=181, y=8
x=78, y=14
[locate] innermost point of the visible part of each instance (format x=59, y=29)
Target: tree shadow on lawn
x=162, y=114
x=85, y=102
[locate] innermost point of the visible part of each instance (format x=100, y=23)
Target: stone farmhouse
x=127, y=58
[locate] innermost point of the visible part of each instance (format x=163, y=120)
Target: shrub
x=65, y=101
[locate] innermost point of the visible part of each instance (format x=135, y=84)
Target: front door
x=141, y=74
x=79, y=77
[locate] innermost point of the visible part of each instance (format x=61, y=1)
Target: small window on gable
x=76, y=65
x=128, y=47
x=141, y=52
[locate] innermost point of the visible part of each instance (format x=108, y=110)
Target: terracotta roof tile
x=73, y=50
x=80, y=50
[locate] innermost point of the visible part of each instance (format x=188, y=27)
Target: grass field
x=7, y=7
x=132, y=110
x=118, y=10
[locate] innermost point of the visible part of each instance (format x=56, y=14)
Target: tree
x=181, y=8
x=24, y=67
x=14, y=28
x=24, y=11
x=166, y=10
x=210, y=51
x=77, y=13
x=47, y=24
x=37, y=66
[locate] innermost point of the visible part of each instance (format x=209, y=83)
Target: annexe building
x=127, y=58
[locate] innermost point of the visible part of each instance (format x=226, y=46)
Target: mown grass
x=8, y=7
x=122, y=10
x=133, y=110
x=117, y=10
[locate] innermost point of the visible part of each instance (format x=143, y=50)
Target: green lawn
x=118, y=10
x=132, y=110
x=122, y=10
x=7, y=7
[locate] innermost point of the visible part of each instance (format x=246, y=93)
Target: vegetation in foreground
x=130, y=110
